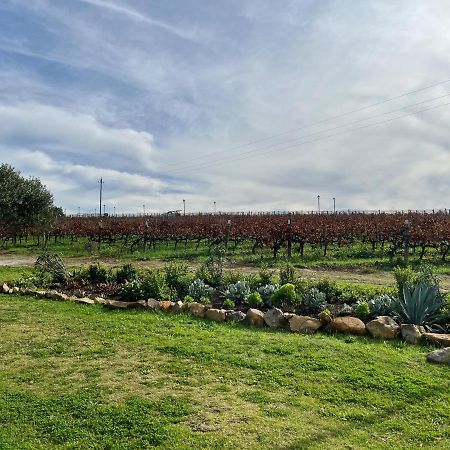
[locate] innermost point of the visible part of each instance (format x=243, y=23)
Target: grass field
x=74, y=376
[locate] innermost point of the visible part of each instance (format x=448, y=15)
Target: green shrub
x=362, y=309
x=345, y=310
x=287, y=274
x=407, y=276
x=198, y=288
x=353, y=292
x=265, y=276
x=420, y=305
x=53, y=264
x=314, y=300
x=96, y=274
x=178, y=278
x=228, y=304
x=238, y=291
x=188, y=299
x=126, y=273
x=254, y=299
x=267, y=291
x=39, y=279
x=329, y=288
x=285, y=296
x=383, y=305
x=204, y=300
x=232, y=277
x=132, y=290
x=154, y=285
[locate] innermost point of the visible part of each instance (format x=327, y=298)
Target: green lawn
x=79, y=377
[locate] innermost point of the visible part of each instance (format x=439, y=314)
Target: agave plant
x=421, y=303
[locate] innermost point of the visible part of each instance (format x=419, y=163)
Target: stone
x=178, y=307
x=166, y=305
x=304, y=324
x=138, y=304
x=99, y=300
x=383, y=327
x=255, y=317
x=442, y=339
x=288, y=316
x=348, y=325
x=441, y=356
x=234, y=316
x=197, y=309
x=85, y=301
x=16, y=290
x=274, y=318
x=41, y=293
x=153, y=303
x=325, y=317
x=117, y=304
x=218, y=315
x=412, y=334
x=5, y=288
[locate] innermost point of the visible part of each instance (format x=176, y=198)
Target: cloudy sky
x=254, y=104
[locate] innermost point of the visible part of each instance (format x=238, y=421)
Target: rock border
x=382, y=327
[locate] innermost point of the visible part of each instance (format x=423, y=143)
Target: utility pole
x=101, y=191
x=104, y=209
x=318, y=203
x=334, y=204
x=214, y=207
x=78, y=211
x=184, y=207
x=143, y=206
x=114, y=211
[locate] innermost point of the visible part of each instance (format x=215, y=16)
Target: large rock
x=218, y=315
x=383, y=327
x=304, y=324
x=85, y=301
x=99, y=300
x=441, y=356
x=348, y=325
x=153, y=303
x=412, y=334
x=116, y=304
x=139, y=304
x=5, y=288
x=234, y=316
x=166, y=305
x=255, y=317
x=274, y=318
x=197, y=309
x=442, y=339
x=178, y=307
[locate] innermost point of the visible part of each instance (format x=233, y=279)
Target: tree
x=24, y=203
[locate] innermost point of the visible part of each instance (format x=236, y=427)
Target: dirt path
x=345, y=274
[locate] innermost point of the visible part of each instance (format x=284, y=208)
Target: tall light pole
x=143, y=206
x=104, y=209
x=101, y=191
x=78, y=210
x=214, y=207
x=114, y=211
x=184, y=207
x=318, y=203
x=334, y=204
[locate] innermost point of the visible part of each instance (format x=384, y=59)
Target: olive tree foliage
x=24, y=203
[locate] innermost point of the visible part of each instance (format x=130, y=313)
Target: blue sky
x=160, y=99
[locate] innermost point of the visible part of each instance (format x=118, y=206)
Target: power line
x=273, y=147
x=239, y=157
x=329, y=119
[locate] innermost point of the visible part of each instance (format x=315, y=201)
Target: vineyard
x=386, y=232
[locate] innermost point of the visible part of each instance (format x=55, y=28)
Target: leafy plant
x=204, y=300
x=212, y=269
x=254, y=299
x=131, y=290
x=96, y=273
x=126, y=273
x=329, y=288
x=198, y=288
x=407, y=276
x=345, y=310
x=267, y=291
x=228, y=304
x=285, y=296
x=287, y=274
x=265, y=276
x=52, y=264
x=178, y=277
x=383, y=305
x=154, y=285
x=314, y=300
x=188, y=299
x=238, y=291
x=421, y=304
x=362, y=309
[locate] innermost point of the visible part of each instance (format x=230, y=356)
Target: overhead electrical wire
x=294, y=142
x=329, y=119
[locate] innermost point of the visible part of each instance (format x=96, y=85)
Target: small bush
x=53, y=264
x=329, y=288
x=126, y=273
x=383, y=305
x=198, y=288
x=285, y=296
x=178, y=278
x=204, y=300
x=232, y=277
x=346, y=310
x=265, y=276
x=188, y=299
x=408, y=277
x=96, y=274
x=255, y=299
x=267, y=291
x=131, y=291
x=228, y=304
x=362, y=309
x=154, y=285
x=287, y=274
x=314, y=300
x=238, y=291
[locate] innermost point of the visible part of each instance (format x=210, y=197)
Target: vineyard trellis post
x=406, y=234
x=289, y=237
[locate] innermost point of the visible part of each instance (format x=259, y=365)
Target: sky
x=252, y=104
